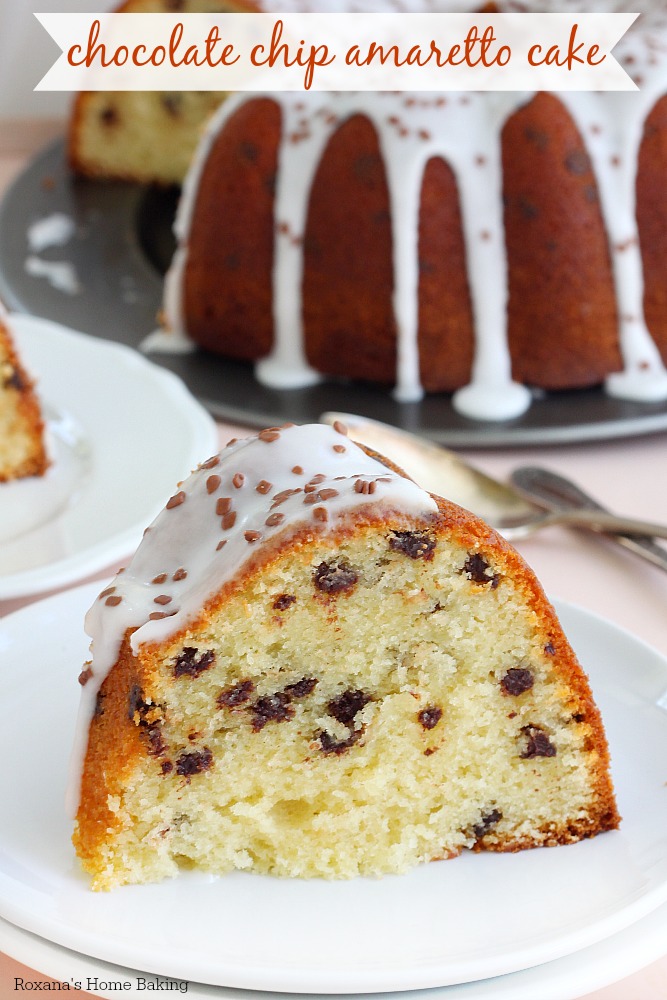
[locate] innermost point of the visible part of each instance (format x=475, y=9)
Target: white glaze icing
x=60, y=274
x=186, y=534
x=465, y=130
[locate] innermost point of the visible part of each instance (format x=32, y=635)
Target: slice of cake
x=144, y=136
x=312, y=667
x=22, y=451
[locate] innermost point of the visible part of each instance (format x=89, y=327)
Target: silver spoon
x=442, y=472
x=554, y=492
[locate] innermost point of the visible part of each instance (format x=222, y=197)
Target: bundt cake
x=484, y=244
x=144, y=136
x=22, y=449
x=312, y=667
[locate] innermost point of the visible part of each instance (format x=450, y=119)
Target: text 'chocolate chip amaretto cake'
x=312, y=667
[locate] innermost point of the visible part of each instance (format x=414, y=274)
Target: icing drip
x=256, y=490
x=462, y=129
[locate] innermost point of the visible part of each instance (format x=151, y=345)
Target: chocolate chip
x=172, y=103
x=283, y=601
x=99, y=705
x=302, y=688
x=108, y=116
x=271, y=708
x=236, y=695
x=347, y=705
x=194, y=762
x=166, y=767
x=487, y=822
x=577, y=162
x=148, y=718
x=415, y=544
x=330, y=745
x=538, y=743
x=335, y=577
x=475, y=568
x=517, y=680
x=549, y=649
x=191, y=663
x=156, y=744
x=13, y=380
x=430, y=716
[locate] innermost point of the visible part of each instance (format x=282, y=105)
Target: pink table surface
x=628, y=475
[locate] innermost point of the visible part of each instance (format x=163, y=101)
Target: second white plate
x=122, y=432
x=469, y=919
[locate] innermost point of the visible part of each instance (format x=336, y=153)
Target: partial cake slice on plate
x=22, y=449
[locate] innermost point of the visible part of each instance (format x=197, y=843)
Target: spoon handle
x=555, y=493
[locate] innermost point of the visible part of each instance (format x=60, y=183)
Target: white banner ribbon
x=293, y=52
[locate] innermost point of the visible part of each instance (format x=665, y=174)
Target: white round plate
x=121, y=433
x=470, y=919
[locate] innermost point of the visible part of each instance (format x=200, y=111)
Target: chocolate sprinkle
x=176, y=500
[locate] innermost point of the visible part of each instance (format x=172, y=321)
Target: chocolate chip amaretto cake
x=312, y=667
